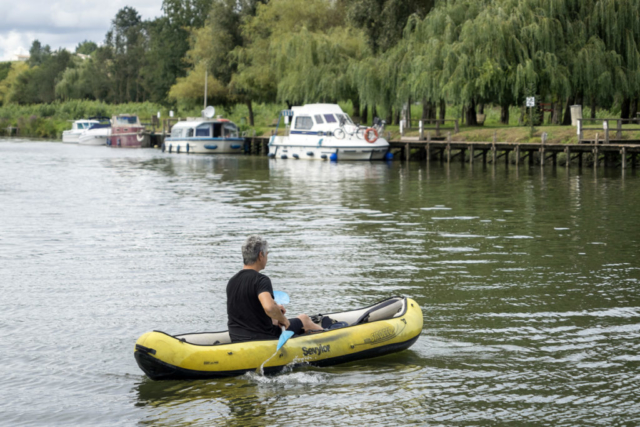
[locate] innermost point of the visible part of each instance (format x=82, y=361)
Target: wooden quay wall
x=516, y=153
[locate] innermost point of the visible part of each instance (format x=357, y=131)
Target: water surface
x=528, y=280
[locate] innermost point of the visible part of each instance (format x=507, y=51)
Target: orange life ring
x=367, y=136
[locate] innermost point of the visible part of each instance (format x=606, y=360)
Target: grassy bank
x=50, y=120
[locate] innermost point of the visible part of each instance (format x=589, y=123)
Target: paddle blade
x=284, y=337
x=280, y=297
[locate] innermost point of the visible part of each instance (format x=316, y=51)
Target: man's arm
x=272, y=309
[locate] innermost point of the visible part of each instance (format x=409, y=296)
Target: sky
x=61, y=23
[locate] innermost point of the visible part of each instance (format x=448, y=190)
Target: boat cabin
x=83, y=124
x=221, y=128
x=126, y=120
x=312, y=119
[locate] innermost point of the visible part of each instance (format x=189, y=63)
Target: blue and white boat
x=204, y=135
x=325, y=132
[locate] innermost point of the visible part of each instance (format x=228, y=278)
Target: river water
x=528, y=280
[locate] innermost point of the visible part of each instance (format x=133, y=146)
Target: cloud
x=62, y=23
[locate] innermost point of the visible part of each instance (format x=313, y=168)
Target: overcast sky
x=62, y=23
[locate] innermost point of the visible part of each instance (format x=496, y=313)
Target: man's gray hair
x=252, y=249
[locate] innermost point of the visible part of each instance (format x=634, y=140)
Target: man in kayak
x=253, y=313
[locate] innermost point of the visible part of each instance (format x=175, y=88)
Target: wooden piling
x=567, y=152
x=517, y=153
x=448, y=154
x=407, y=151
x=471, y=154
x=623, y=152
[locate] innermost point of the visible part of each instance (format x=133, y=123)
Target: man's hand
x=282, y=309
x=285, y=325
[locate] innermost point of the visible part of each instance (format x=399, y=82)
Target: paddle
x=280, y=298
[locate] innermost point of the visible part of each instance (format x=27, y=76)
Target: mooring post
x=448, y=154
x=517, y=153
x=421, y=137
x=428, y=149
x=471, y=154
x=619, y=130
x=462, y=155
x=595, y=157
x=407, y=151
x=580, y=160
x=567, y=151
x=531, y=157
x=449, y=137
x=623, y=151
x=484, y=157
x=437, y=127
x=456, y=128
x=554, y=156
x=493, y=155
x=495, y=136
x=506, y=158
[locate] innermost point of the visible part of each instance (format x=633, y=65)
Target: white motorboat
x=204, y=135
x=96, y=135
x=72, y=135
x=325, y=132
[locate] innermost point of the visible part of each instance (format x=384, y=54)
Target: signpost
x=531, y=103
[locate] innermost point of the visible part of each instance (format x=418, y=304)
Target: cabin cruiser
x=127, y=131
x=72, y=135
x=203, y=135
x=325, y=132
x=97, y=134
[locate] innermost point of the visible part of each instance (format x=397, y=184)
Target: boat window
x=304, y=122
x=203, y=130
x=329, y=118
x=190, y=133
x=230, y=130
x=318, y=118
x=80, y=125
x=176, y=132
x=127, y=120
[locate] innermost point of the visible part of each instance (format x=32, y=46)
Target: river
x=528, y=280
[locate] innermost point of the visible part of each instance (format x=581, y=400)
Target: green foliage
x=86, y=47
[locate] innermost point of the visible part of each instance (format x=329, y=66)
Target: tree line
x=380, y=55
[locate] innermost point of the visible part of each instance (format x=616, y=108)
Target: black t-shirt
x=247, y=319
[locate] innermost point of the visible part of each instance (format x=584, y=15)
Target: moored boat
x=387, y=327
x=204, y=135
x=325, y=132
x=127, y=131
x=97, y=134
x=78, y=127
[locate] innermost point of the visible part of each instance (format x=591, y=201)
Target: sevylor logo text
x=317, y=351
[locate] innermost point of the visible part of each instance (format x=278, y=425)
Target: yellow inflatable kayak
x=386, y=327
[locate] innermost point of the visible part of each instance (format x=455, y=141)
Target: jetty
x=606, y=149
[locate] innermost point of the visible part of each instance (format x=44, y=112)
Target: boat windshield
x=126, y=120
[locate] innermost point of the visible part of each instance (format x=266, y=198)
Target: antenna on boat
x=209, y=112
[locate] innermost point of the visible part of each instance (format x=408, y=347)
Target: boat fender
x=295, y=156
x=140, y=135
x=284, y=156
x=178, y=149
x=236, y=146
x=119, y=142
x=163, y=147
x=210, y=147
x=272, y=155
x=187, y=147
x=371, y=135
x=389, y=156
x=310, y=153
x=170, y=147
x=109, y=142
x=324, y=156
x=334, y=157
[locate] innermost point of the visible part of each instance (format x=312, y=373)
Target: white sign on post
x=531, y=101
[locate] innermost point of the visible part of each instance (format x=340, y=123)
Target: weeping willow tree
x=304, y=49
